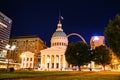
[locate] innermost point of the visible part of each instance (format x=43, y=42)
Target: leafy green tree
x=112, y=35
x=102, y=56
x=77, y=54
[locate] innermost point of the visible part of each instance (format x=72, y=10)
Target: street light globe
x=10, y=47
x=13, y=47
x=96, y=38
x=7, y=46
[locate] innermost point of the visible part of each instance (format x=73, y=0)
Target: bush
x=11, y=69
x=2, y=69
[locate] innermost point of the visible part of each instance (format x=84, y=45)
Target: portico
x=53, y=58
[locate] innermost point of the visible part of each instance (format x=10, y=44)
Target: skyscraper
x=96, y=41
x=5, y=28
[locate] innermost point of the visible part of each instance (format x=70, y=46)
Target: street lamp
x=10, y=48
x=77, y=61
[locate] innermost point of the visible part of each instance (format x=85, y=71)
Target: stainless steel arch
x=77, y=35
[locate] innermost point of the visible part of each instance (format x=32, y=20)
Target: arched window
x=57, y=44
x=60, y=43
x=52, y=44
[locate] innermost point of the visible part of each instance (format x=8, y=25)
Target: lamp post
x=10, y=48
x=77, y=61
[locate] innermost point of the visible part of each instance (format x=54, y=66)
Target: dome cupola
x=59, y=38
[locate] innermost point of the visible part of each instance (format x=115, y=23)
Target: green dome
x=59, y=34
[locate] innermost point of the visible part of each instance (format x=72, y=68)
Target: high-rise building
x=24, y=44
x=5, y=28
x=96, y=41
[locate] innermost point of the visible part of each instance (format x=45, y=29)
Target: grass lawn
x=61, y=75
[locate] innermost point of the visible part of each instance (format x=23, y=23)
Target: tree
x=102, y=56
x=112, y=35
x=77, y=54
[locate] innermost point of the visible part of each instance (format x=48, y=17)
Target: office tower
x=5, y=28
x=96, y=41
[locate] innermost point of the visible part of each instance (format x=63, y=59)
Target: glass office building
x=5, y=28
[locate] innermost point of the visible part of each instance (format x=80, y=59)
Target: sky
x=40, y=17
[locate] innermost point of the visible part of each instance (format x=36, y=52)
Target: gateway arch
x=75, y=34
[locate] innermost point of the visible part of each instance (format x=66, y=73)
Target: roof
x=30, y=36
x=59, y=34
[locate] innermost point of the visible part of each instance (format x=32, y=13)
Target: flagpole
x=59, y=15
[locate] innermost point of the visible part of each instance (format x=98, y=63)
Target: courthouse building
x=53, y=58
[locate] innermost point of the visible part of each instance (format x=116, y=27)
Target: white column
x=64, y=63
x=59, y=61
x=54, y=61
x=22, y=63
x=45, y=62
x=50, y=61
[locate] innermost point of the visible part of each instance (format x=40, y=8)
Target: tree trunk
x=104, y=66
x=79, y=67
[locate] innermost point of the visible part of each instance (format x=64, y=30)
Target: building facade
x=28, y=60
x=53, y=58
x=5, y=28
x=96, y=41
x=24, y=44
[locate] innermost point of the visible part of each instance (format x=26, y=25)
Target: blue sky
x=40, y=17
